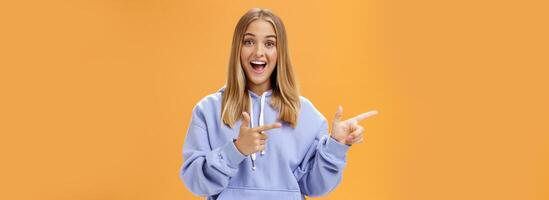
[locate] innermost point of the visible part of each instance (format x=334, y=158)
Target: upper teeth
x=258, y=62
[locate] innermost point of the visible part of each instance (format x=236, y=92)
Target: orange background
x=96, y=96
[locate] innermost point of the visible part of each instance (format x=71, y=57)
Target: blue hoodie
x=296, y=162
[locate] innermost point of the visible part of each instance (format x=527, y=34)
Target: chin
x=258, y=81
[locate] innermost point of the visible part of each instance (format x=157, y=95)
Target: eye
x=270, y=44
x=248, y=42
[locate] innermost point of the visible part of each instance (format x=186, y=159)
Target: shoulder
x=309, y=112
x=306, y=104
x=209, y=101
x=208, y=105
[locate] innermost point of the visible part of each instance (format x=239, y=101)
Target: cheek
x=273, y=56
x=244, y=52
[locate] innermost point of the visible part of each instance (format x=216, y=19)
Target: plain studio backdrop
x=96, y=96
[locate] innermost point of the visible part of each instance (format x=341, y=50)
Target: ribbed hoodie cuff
x=230, y=153
x=336, y=148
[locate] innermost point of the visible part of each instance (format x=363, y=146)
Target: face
x=258, y=54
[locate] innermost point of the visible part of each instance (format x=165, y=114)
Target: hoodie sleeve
x=322, y=169
x=206, y=171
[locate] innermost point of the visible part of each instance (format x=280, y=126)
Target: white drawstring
x=261, y=121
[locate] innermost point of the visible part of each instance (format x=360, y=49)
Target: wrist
x=237, y=145
x=336, y=139
x=342, y=141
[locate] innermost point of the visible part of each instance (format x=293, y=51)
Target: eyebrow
x=251, y=34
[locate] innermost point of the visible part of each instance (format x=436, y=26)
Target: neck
x=259, y=89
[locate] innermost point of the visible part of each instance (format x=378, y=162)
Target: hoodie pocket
x=259, y=193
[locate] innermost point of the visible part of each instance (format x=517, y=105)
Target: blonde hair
x=285, y=94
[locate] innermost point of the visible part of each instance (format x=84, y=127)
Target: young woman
x=256, y=137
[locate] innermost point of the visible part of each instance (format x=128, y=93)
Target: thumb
x=338, y=114
x=245, y=120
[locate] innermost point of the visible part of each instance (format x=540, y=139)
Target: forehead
x=260, y=28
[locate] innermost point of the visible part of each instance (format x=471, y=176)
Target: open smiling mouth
x=258, y=66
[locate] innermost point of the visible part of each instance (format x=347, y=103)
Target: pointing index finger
x=362, y=116
x=267, y=127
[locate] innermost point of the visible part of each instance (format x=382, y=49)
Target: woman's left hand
x=348, y=131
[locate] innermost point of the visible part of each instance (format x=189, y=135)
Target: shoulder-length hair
x=285, y=93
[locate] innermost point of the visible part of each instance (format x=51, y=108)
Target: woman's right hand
x=251, y=140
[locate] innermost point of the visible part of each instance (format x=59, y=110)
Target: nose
x=259, y=51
